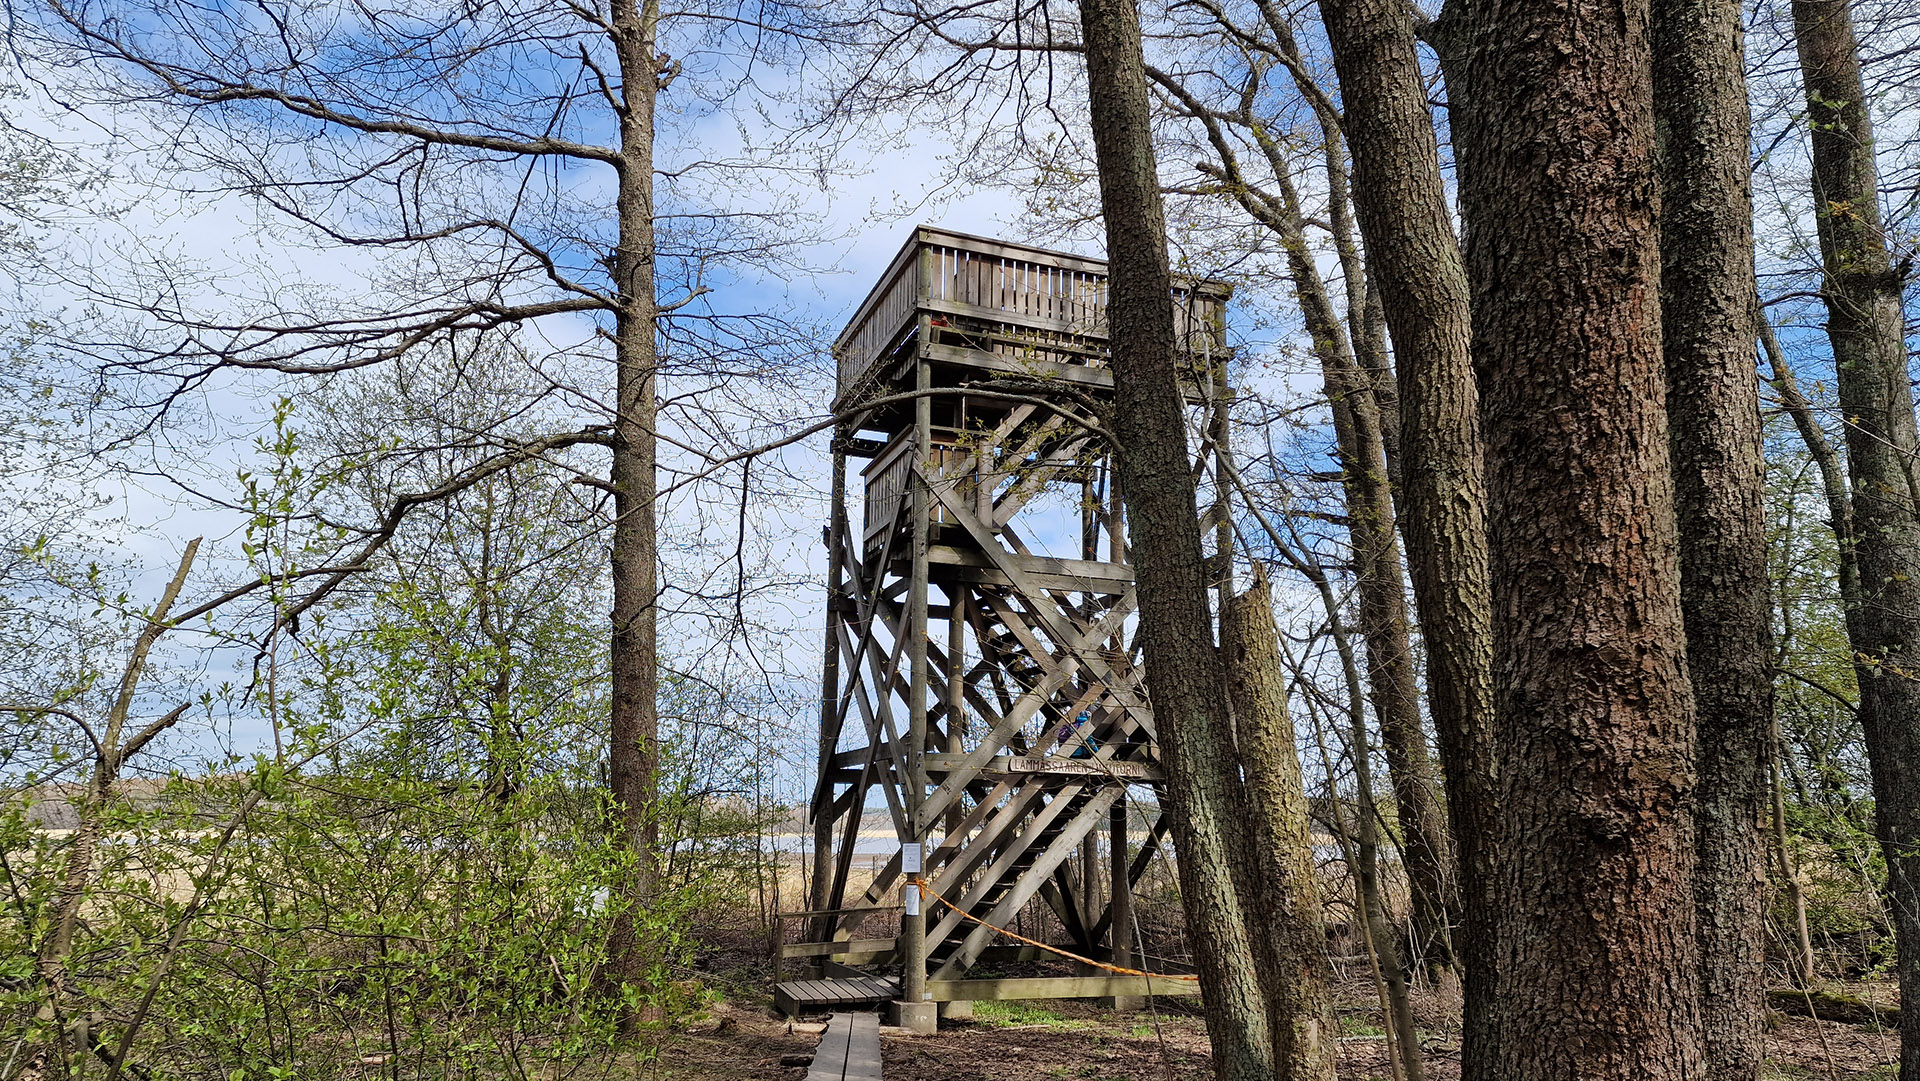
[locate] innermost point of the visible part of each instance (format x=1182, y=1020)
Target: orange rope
x=922, y=883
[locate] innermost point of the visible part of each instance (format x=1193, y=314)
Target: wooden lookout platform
x=982, y=678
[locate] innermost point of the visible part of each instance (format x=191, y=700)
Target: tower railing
x=1007, y=293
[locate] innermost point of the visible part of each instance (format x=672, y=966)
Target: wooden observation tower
x=982, y=679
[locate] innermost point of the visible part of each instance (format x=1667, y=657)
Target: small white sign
x=913, y=900
x=910, y=858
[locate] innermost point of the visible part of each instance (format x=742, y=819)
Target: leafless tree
x=550, y=174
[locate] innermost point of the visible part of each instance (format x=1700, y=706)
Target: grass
x=1359, y=1026
x=1027, y=1014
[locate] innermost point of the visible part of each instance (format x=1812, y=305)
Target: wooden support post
x=779, y=949
x=984, y=482
x=1090, y=877
x=822, y=854
x=1090, y=844
x=1030, y=987
x=956, y=683
x=914, y=923
x=956, y=677
x=1089, y=516
x=1120, y=908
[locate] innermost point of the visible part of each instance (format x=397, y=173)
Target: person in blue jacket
x=1076, y=739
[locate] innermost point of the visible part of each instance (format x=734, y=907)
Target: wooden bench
x=849, y=1050
x=795, y=997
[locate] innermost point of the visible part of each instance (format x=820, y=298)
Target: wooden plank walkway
x=821, y=996
x=849, y=1050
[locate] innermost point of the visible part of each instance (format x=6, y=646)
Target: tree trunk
x=1385, y=627
x=1833, y=1006
x=1789, y=872
x=1833, y=481
x=1299, y=985
x=1361, y=442
x=1594, y=732
x=1400, y=202
x=1357, y=377
x=837, y=595
x=634, y=731
x=1183, y=671
x=1403, y=1034
x=1708, y=299
x=1864, y=323
x=1360, y=847
x=1833, y=485
x=503, y=743
x=1393, y=1001
x=112, y=750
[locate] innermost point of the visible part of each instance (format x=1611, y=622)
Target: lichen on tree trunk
x=1708, y=300
x=1163, y=524
x=1299, y=980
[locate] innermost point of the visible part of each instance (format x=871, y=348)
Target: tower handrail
x=941, y=273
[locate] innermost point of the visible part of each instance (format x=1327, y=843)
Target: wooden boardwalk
x=822, y=996
x=849, y=1049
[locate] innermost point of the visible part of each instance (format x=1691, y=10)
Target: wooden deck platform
x=821, y=996
x=985, y=302
x=849, y=1050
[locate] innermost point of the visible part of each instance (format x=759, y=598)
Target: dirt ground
x=1031, y=1041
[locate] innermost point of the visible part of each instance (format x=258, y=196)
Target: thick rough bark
x=1864, y=323
x=1400, y=202
x=1163, y=526
x=1594, y=733
x=634, y=730
x=1299, y=985
x=1708, y=300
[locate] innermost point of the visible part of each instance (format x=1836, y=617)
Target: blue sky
x=861, y=212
